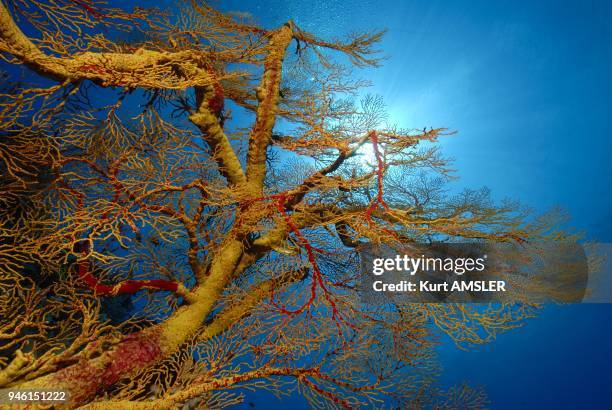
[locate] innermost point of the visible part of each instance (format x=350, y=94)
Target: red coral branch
x=88, y=6
x=329, y=395
x=317, y=276
x=379, y=201
x=125, y=287
x=380, y=169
